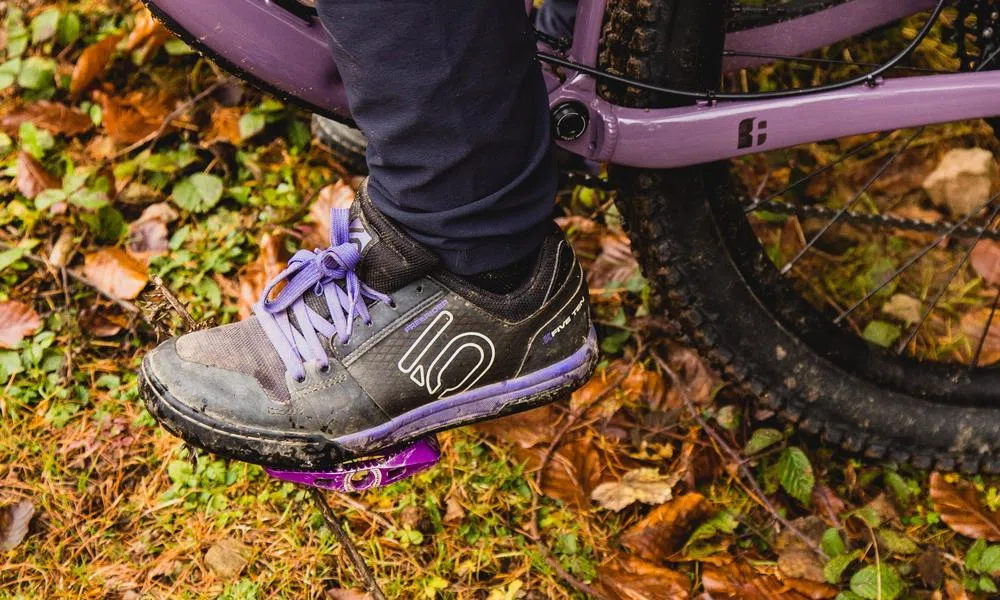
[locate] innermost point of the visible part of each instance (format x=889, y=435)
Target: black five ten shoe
x=371, y=345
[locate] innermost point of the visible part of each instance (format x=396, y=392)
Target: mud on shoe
x=371, y=345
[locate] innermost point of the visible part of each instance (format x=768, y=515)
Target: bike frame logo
x=442, y=375
x=747, y=131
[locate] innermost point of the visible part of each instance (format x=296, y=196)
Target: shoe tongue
x=390, y=258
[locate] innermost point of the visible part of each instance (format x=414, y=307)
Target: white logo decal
x=439, y=377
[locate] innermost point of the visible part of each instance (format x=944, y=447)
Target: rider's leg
x=447, y=295
x=454, y=108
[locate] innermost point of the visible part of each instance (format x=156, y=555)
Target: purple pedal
x=365, y=473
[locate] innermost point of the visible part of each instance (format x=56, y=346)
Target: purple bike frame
x=289, y=55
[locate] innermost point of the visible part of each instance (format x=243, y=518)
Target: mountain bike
x=757, y=162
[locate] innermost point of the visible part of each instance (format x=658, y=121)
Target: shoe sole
x=313, y=451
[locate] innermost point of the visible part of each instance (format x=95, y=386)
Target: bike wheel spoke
x=850, y=204
x=986, y=331
x=916, y=257
x=944, y=288
x=849, y=154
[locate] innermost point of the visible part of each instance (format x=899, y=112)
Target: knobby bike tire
x=715, y=282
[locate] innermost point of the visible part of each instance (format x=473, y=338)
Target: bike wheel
x=761, y=329
x=347, y=144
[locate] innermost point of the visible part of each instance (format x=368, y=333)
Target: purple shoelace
x=330, y=274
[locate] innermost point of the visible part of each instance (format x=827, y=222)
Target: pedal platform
x=370, y=472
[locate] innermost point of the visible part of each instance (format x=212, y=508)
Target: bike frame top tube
x=289, y=55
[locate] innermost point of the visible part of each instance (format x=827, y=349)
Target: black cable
x=868, y=78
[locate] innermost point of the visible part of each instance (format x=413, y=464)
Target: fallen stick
x=338, y=529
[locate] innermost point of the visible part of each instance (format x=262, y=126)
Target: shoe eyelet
x=392, y=304
x=325, y=368
x=345, y=341
x=420, y=288
x=370, y=324
x=301, y=379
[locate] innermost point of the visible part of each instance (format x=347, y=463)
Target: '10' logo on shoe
x=442, y=375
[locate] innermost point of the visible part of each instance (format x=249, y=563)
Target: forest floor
x=126, y=157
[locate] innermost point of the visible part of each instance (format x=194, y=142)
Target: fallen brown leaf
x=53, y=116
x=148, y=33
x=226, y=127
x=801, y=564
x=644, y=485
x=92, y=62
x=694, y=374
x=740, y=581
x=930, y=568
x=102, y=323
x=14, y=522
x=32, y=178
x=829, y=504
x=115, y=273
x=665, y=529
x=148, y=235
x=573, y=470
x=646, y=386
x=342, y=594
x=17, y=320
x=254, y=277
x=630, y=578
x=972, y=325
x=147, y=239
x=526, y=429
x=336, y=195
x=125, y=123
x=955, y=590
x=102, y=148
x=985, y=259
x=63, y=248
x=601, y=396
x=903, y=307
x=962, y=510
x=144, y=27
x=615, y=263
x=963, y=180
x=796, y=559
x=161, y=211
x=811, y=589
x=453, y=510
x=227, y=558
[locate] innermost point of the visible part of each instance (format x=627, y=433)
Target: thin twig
x=748, y=477
x=338, y=529
x=180, y=110
x=78, y=277
x=189, y=321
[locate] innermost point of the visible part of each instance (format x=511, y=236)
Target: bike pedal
x=369, y=472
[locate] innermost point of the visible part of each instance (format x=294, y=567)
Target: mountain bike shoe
x=370, y=346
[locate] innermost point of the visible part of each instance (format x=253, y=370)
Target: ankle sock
x=507, y=279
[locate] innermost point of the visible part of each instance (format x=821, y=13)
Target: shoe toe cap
x=203, y=392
